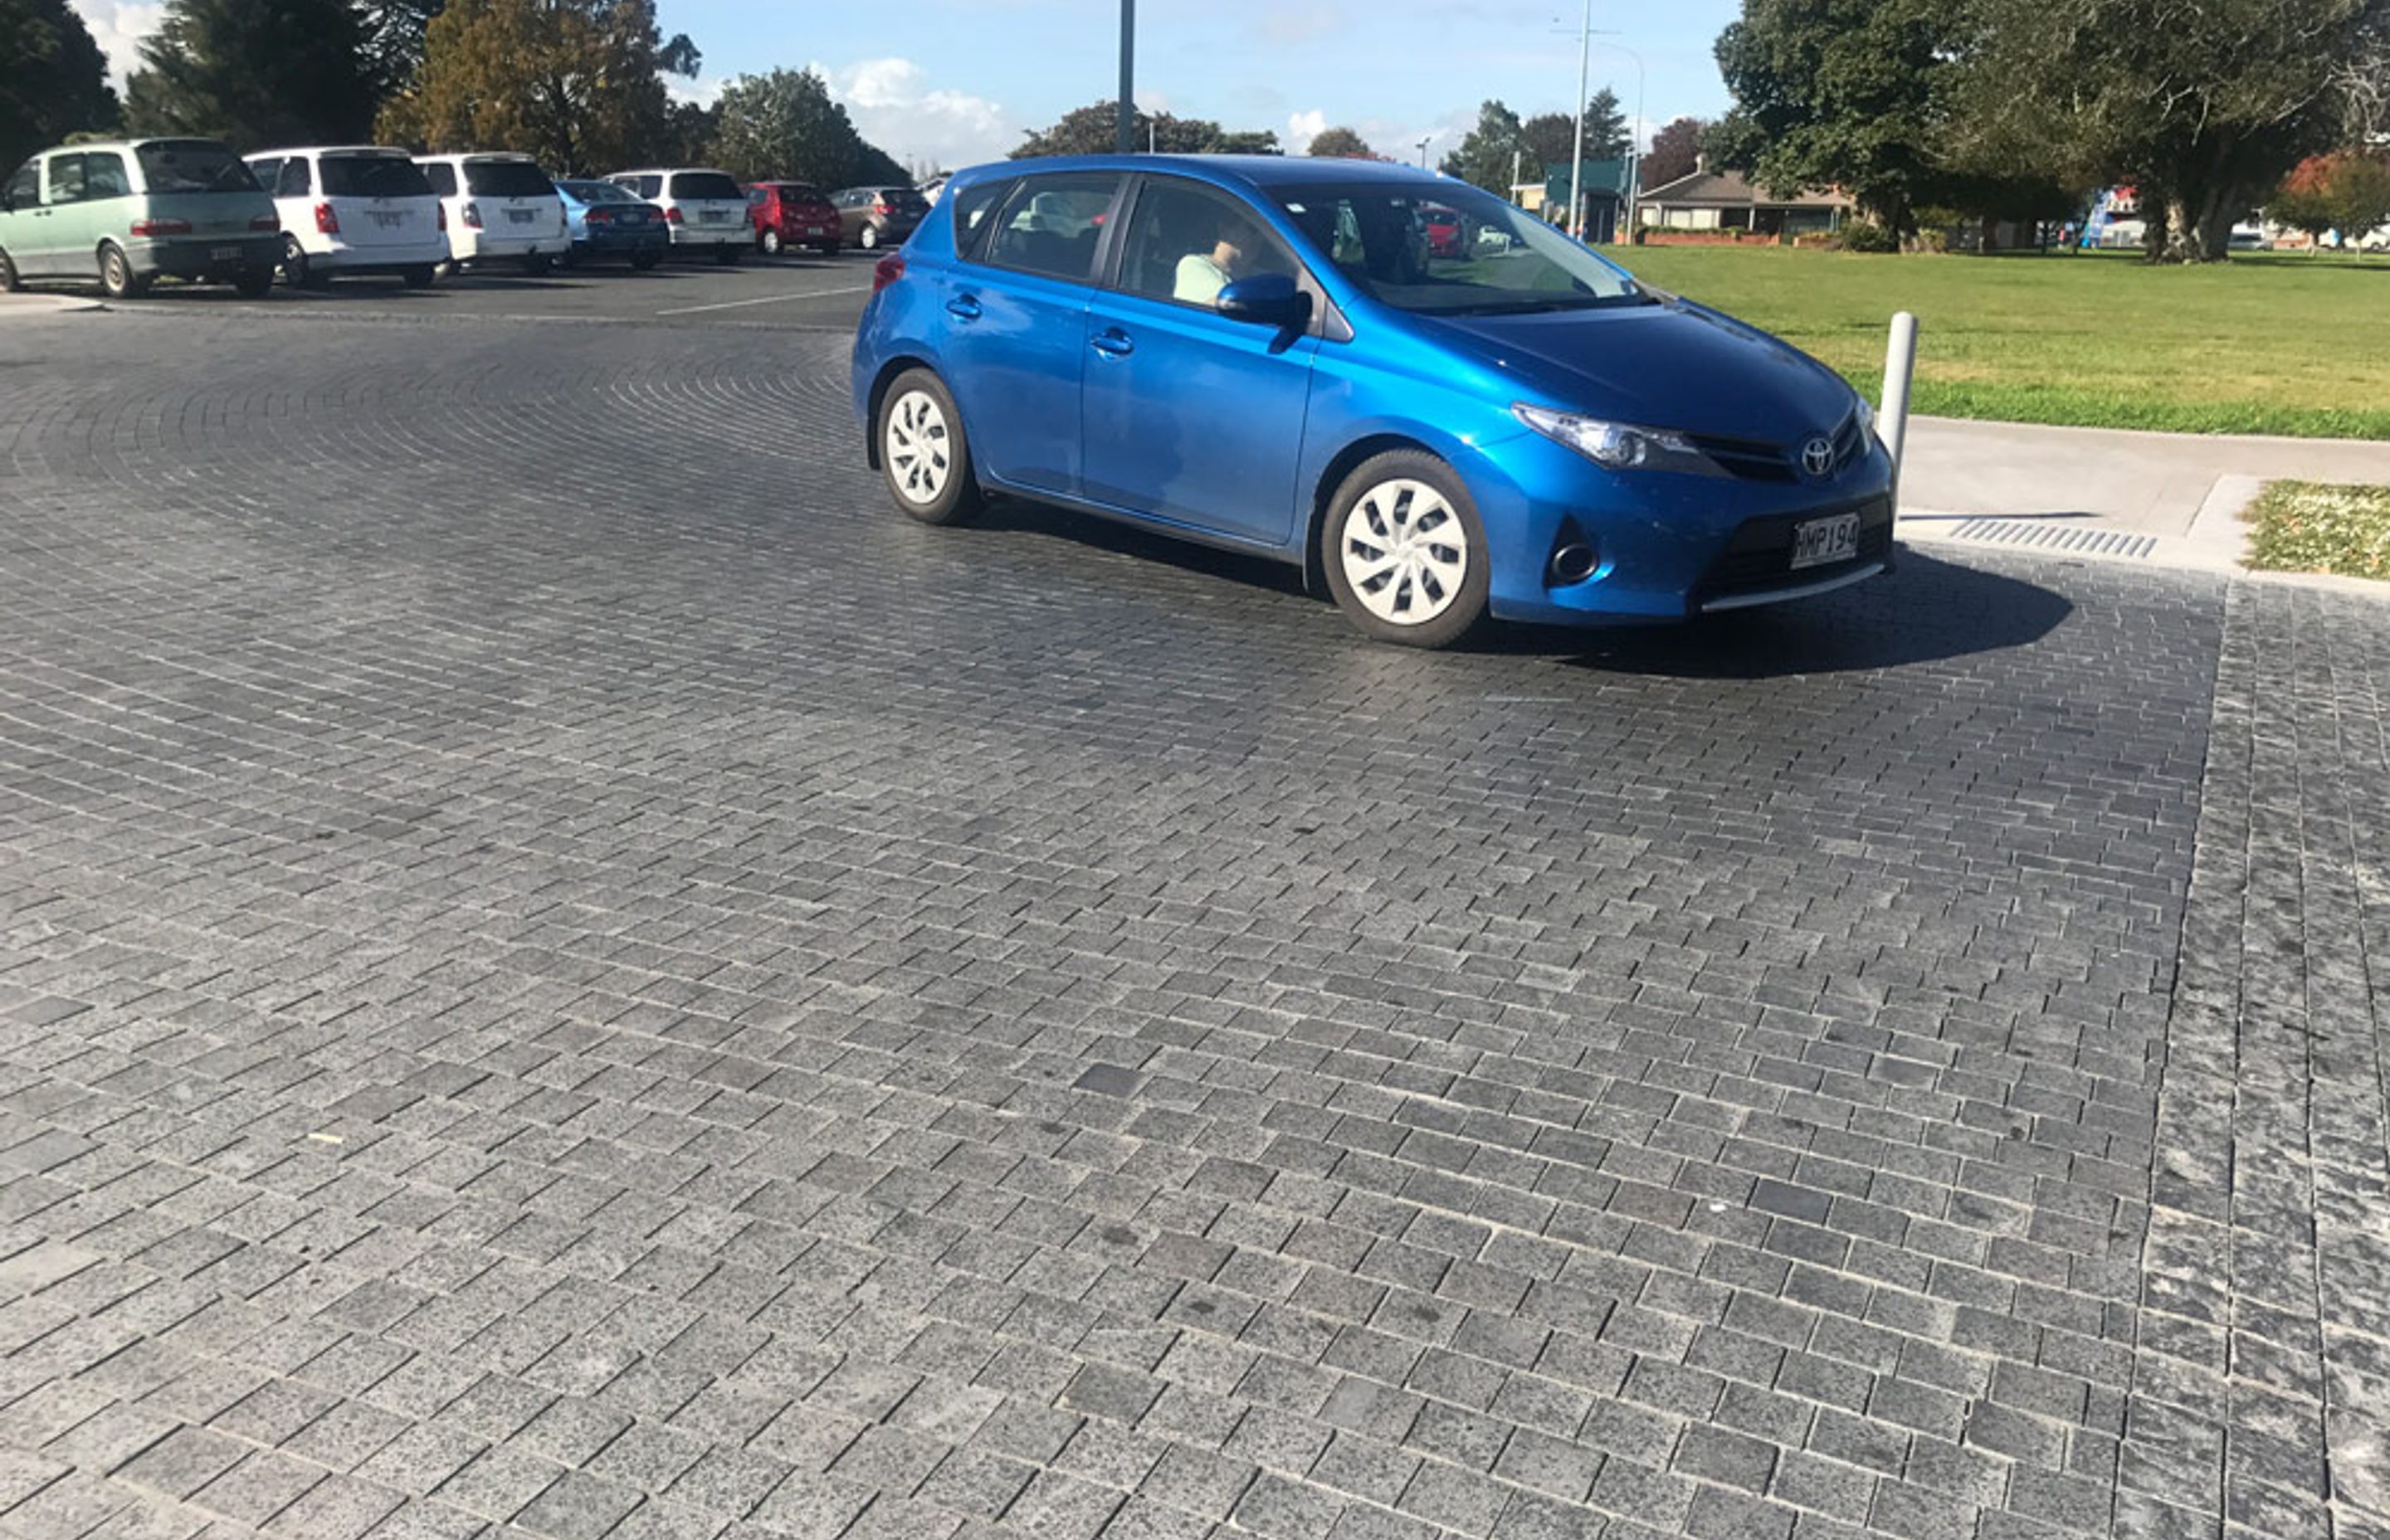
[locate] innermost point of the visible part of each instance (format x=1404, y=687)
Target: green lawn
x=2271, y=343
x=2305, y=527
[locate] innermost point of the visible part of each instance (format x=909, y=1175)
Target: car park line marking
x=768, y=299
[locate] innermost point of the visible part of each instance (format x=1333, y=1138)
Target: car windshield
x=597, y=192
x=372, y=176
x=705, y=184
x=1487, y=258
x=192, y=165
x=507, y=179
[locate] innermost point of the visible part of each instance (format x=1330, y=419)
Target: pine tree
x=257, y=72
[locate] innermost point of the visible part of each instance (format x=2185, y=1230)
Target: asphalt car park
x=566, y=971
x=807, y=292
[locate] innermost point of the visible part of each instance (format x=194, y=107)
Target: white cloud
x=1302, y=128
x=893, y=104
x=119, y=26
x=705, y=91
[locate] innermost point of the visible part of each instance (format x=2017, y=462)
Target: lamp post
x=1125, y=138
x=1576, y=151
x=1422, y=149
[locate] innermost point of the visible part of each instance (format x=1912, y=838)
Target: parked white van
x=351, y=210
x=705, y=210
x=500, y=207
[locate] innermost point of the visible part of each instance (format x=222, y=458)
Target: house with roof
x=1722, y=200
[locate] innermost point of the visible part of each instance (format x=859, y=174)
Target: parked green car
x=128, y=212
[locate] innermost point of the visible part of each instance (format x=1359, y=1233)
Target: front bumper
x=203, y=256
x=1666, y=545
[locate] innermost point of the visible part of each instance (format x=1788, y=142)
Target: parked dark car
x=873, y=217
x=608, y=221
x=792, y=213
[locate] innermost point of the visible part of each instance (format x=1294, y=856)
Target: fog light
x=1573, y=564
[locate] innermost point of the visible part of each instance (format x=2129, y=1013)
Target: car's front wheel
x=922, y=451
x=1403, y=551
x=9, y=282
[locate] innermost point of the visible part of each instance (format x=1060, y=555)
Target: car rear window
x=797, y=192
x=507, y=179
x=598, y=192
x=192, y=165
x=704, y=184
x=372, y=176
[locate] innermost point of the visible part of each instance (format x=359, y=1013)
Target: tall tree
x=578, y=83
x=2348, y=191
x=1675, y=151
x=1089, y=131
x=1550, y=137
x=1341, y=143
x=1838, y=92
x=53, y=78
x=258, y=73
x=393, y=38
x=785, y=125
x=2202, y=107
x=1489, y=153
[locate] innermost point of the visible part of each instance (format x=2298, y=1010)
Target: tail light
x=164, y=227
x=443, y=218
x=884, y=210
x=328, y=223
x=672, y=216
x=599, y=216
x=472, y=217
x=887, y=270
x=266, y=224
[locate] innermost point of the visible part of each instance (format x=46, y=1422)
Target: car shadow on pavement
x=1926, y=610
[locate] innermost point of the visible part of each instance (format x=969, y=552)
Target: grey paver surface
x=564, y=972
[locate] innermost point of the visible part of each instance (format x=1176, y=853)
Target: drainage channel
x=2072, y=539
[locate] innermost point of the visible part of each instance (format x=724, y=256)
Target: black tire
x=9, y=282
x=867, y=237
x=726, y=256
x=253, y=283
x=768, y=242
x=536, y=265
x=297, y=271
x=418, y=278
x=117, y=280
x=1454, y=607
x=955, y=498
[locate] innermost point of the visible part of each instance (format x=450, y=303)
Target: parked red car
x=1443, y=231
x=791, y=214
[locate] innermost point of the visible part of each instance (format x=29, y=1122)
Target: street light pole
x=1125, y=138
x=1576, y=154
x=1424, y=144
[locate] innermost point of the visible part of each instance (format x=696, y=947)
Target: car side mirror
x=1269, y=298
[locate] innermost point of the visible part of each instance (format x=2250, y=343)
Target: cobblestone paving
x=564, y=972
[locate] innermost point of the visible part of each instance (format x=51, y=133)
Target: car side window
x=1052, y=224
x=443, y=177
x=972, y=206
x=758, y=196
x=293, y=181
x=647, y=187
x=1185, y=242
x=25, y=187
x=103, y=175
x=66, y=179
x=265, y=169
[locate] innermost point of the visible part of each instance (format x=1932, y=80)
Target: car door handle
x=964, y=309
x=1113, y=343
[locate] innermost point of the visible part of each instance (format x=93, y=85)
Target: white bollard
x=1892, y=418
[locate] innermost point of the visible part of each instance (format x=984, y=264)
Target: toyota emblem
x=1817, y=458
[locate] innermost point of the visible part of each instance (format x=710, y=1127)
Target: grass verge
x=2310, y=527
x=2266, y=343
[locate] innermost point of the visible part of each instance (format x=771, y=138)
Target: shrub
x=1865, y=235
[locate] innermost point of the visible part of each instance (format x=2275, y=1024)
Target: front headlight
x=1867, y=418
x=1618, y=445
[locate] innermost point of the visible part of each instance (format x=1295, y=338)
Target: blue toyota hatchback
x=1437, y=404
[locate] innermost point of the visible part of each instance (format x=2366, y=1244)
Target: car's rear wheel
x=9, y=282
x=922, y=451
x=253, y=283
x=296, y=270
x=1403, y=551
x=770, y=241
x=867, y=237
x=117, y=280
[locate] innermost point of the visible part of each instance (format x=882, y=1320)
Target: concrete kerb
x=33, y=306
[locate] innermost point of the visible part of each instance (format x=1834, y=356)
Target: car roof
x=288, y=150
x=1252, y=171
x=479, y=155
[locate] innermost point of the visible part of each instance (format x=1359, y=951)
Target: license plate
x=1823, y=540
x=224, y=253
x=388, y=221
x=522, y=216
x=711, y=216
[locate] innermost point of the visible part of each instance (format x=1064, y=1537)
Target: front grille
x=1759, y=556
x=1754, y=460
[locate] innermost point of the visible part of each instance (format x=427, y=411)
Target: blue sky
x=957, y=81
